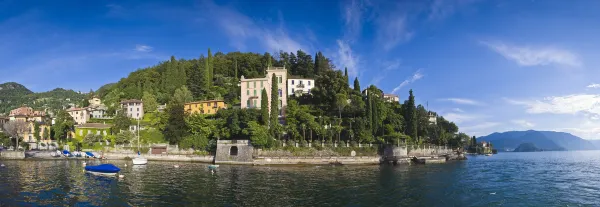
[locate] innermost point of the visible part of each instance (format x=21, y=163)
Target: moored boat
x=66, y=153
x=213, y=167
x=103, y=169
x=139, y=161
x=90, y=154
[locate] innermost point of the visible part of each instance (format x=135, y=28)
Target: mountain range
x=544, y=140
x=14, y=95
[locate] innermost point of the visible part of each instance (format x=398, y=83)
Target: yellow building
x=204, y=107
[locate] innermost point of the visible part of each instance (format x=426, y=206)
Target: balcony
x=300, y=86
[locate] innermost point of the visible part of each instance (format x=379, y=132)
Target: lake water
x=505, y=179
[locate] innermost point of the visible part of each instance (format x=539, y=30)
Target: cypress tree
x=356, y=85
x=346, y=74
x=207, y=72
x=210, y=67
x=316, y=69
x=236, y=70
x=369, y=111
x=274, y=106
x=264, y=107
x=411, y=116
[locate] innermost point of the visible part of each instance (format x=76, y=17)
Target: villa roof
x=131, y=101
x=76, y=109
x=195, y=102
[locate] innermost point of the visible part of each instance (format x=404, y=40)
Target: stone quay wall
x=160, y=157
x=316, y=160
x=416, y=151
x=12, y=155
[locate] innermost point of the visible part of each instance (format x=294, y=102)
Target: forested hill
x=13, y=95
x=353, y=116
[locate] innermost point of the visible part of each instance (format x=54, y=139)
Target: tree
x=15, y=129
x=182, y=95
x=176, y=128
x=274, y=123
x=150, y=104
x=124, y=137
x=36, y=131
x=341, y=102
x=121, y=122
x=63, y=126
x=259, y=135
x=410, y=116
x=356, y=85
x=46, y=133
x=264, y=107
x=210, y=68
x=346, y=73
x=91, y=138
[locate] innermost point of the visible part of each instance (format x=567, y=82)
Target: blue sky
x=486, y=65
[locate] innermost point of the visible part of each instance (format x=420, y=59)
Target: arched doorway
x=233, y=151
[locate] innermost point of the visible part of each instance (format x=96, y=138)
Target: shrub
x=303, y=143
x=290, y=143
x=353, y=144
x=342, y=144
x=43, y=144
x=328, y=143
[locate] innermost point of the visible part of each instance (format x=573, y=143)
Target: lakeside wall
x=160, y=157
x=12, y=155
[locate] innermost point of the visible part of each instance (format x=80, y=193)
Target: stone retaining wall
x=315, y=160
x=12, y=155
x=161, y=157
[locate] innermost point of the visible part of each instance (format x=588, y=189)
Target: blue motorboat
x=105, y=169
x=90, y=154
x=66, y=153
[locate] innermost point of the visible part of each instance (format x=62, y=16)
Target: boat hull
x=139, y=161
x=104, y=168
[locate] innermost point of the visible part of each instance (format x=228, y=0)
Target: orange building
x=204, y=107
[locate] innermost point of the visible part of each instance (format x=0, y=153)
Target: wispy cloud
x=458, y=110
x=570, y=104
x=523, y=123
x=143, y=48
x=535, y=56
x=460, y=117
x=386, y=66
x=393, y=30
x=345, y=57
x=418, y=75
x=241, y=28
x=594, y=85
x=462, y=101
x=440, y=9
x=352, y=12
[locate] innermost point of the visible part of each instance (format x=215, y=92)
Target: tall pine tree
x=274, y=123
x=346, y=74
x=208, y=80
x=356, y=85
x=264, y=107
x=411, y=117
x=317, y=64
x=197, y=81
x=210, y=68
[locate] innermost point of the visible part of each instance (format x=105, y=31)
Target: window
x=279, y=79
x=138, y=115
x=261, y=84
x=130, y=109
x=255, y=102
x=138, y=109
x=308, y=90
x=254, y=92
x=292, y=82
x=292, y=90
x=247, y=92
x=300, y=82
x=279, y=92
x=309, y=83
x=280, y=103
x=208, y=104
x=233, y=151
x=247, y=84
x=254, y=84
x=248, y=103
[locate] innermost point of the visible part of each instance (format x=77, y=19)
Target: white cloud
x=523, y=123
x=143, y=48
x=531, y=56
x=570, y=104
x=460, y=118
x=352, y=13
x=345, y=57
x=462, y=101
x=458, y=110
x=440, y=9
x=387, y=66
x=418, y=75
x=241, y=28
x=594, y=85
x=393, y=30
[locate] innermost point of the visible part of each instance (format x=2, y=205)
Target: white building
x=299, y=86
x=391, y=98
x=133, y=108
x=80, y=115
x=251, y=89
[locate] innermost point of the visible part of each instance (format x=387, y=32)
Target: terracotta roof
x=76, y=109
x=26, y=111
x=94, y=125
x=131, y=101
x=195, y=102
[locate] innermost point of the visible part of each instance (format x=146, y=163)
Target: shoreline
x=256, y=161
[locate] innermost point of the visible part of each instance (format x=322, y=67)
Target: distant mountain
x=14, y=95
x=527, y=147
x=546, y=140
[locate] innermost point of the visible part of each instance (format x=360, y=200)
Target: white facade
x=391, y=98
x=80, y=115
x=251, y=89
x=299, y=86
x=133, y=108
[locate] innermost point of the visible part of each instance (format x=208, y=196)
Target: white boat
x=139, y=160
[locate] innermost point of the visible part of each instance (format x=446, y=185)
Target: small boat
x=488, y=154
x=139, y=161
x=213, y=167
x=103, y=169
x=66, y=153
x=90, y=154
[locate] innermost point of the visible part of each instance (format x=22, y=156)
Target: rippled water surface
x=506, y=179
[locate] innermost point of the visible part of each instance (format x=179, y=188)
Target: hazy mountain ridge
x=547, y=140
x=14, y=95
